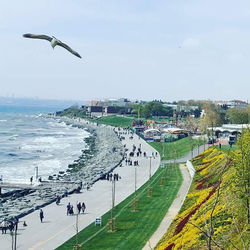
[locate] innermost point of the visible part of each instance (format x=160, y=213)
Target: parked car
x=211, y=140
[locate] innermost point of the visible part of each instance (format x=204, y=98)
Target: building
x=232, y=104
x=121, y=102
x=94, y=111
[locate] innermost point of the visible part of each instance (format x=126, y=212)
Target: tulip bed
x=208, y=190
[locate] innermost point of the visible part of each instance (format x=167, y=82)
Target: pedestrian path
x=190, y=155
x=177, y=203
x=57, y=227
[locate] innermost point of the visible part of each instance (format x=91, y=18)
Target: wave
x=12, y=154
x=13, y=137
x=26, y=142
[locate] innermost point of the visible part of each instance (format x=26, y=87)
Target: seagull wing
x=44, y=37
x=65, y=46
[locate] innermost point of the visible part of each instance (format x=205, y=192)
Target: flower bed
x=186, y=231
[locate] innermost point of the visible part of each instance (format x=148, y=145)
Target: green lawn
x=134, y=228
x=116, y=121
x=176, y=149
x=227, y=148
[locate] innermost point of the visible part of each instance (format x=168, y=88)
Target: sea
x=30, y=140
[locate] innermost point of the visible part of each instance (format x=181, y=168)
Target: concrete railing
x=191, y=169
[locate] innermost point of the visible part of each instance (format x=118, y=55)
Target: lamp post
x=36, y=172
x=163, y=149
x=150, y=187
x=111, y=222
x=150, y=157
x=163, y=176
x=135, y=201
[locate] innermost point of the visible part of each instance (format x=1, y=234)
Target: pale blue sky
x=169, y=50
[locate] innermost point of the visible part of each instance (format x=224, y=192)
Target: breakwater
x=103, y=153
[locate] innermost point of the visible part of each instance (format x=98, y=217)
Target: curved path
x=58, y=227
x=190, y=155
x=177, y=203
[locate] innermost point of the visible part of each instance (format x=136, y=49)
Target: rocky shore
x=103, y=153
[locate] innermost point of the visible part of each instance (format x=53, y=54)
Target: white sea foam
x=41, y=142
x=45, y=140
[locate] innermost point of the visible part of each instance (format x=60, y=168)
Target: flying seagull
x=53, y=41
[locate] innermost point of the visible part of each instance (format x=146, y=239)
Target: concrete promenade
x=58, y=227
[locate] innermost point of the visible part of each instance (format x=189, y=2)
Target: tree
x=191, y=124
x=153, y=109
x=242, y=166
x=238, y=116
x=212, y=117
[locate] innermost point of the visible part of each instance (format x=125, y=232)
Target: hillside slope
x=212, y=216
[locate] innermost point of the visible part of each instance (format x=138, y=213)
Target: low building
x=95, y=111
x=232, y=104
x=152, y=134
x=228, y=131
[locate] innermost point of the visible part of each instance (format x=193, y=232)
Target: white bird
x=53, y=41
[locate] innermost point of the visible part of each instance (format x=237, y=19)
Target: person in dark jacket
x=83, y=207
x=79, y=206
x=41, y=215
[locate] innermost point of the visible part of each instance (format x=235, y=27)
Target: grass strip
x=116, y=121
x=176, y=149
x=134, y=228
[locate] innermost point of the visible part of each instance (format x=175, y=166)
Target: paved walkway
x=172, y=211
x=190, y=155
x=58, y=227
x=177, y=203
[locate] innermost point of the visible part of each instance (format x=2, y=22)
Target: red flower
x=183, y=222
x=169, y=247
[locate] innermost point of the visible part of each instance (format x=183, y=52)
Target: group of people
x=129, y=162
x=80, y=207
x=9, y=225
x=109, y=176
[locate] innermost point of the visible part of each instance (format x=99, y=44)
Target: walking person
x=79, y=206
x=41, y=215
x=58, y=199
x=71, y=210
x=4, y=226
x=15, y=221
x=68, y=208
x=83, y=207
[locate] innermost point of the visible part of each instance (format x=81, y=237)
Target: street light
x=150, y=187
x=163, y=145
x=135, y=201
x=150, y=157
x=112, y=219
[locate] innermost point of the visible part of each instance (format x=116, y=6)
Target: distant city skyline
x=168, y=50
x=82, y=102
